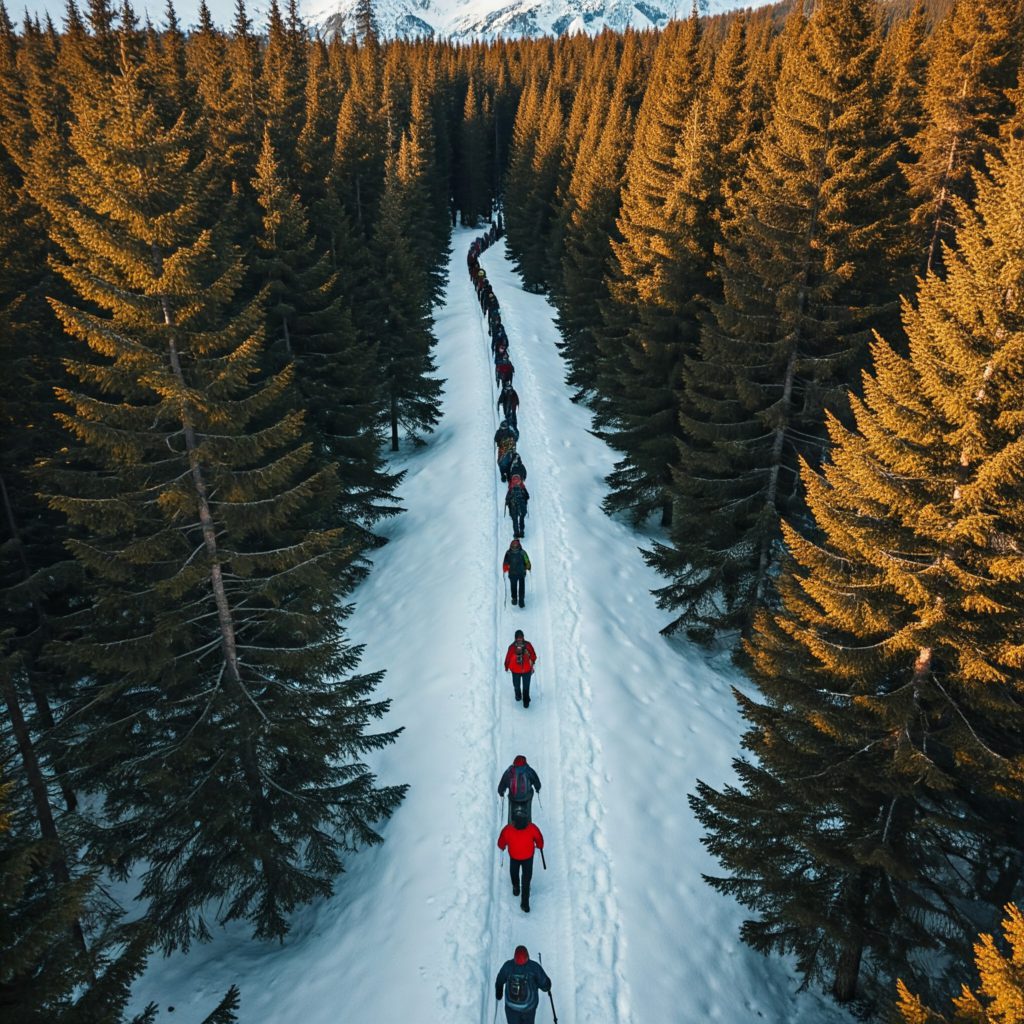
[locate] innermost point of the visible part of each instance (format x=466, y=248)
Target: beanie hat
x=519, y=761
x=522, y=954
x=519, y=634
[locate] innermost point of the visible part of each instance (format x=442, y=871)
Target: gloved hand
x=498, y=989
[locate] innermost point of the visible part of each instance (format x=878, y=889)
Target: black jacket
x=517, y=560
x=537, y=980
x=506, y=779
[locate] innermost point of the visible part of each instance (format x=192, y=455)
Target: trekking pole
x=494, y=1019
x=542, y=860
x=504, y=590
x=540, y=959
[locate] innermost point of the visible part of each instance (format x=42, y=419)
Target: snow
x=622, y=724
x=489, y=19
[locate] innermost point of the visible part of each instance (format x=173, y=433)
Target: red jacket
x=512, y=662
x=520, y=842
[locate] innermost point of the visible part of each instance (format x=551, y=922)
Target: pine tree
x=805, y=269
x=213, y=655
x=532, y=183
x=999, y=998
x=593, y=193
x=880, y=813
x=401, y=310
x=645, y=338
x=976, y=56
x=309, y=325
x=472, y=175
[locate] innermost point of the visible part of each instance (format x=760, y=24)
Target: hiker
x=521, y=838
x=505, y=460
x=520, y=781
x=508, y=402
x=493, y=323
x=503, y=372
x=506, y=432
x=517, y=565
x=521, y=980
x=516, y=467
x=516, y=500
x=499, y=337
x=520, y=659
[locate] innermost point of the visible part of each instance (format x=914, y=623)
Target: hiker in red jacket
x=521, y=839
x=520, y=658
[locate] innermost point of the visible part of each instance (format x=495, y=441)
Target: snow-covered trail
x=623, y=723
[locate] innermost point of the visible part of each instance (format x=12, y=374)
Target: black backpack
x=519, y=990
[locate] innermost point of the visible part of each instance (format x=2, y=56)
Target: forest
x=787, y=255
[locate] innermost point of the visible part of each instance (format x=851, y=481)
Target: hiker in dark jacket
x=504, y=432
x=504, y=372
x=521, y=980
x=517, y=564
x=520, y=781
x=506, y=455
x=517, y=498
x=520, y=660
x=508, y=402
x=499, y=337
x=516, y=467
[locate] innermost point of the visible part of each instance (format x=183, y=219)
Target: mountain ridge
x=492, y=19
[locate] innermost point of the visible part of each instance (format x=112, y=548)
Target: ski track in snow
x=624, y=722
x=574, y=908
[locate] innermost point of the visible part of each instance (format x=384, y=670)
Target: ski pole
x=494, y=1019
x=504, y=590
x=554, y=1016
x=542, y=860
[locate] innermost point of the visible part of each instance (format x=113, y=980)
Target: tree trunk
x=394, y=423
x=39, y=697
x=844, y=987
x=40, y=796
x=225, y=619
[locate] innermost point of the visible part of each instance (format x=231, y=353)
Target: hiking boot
x=525, y=903
x=519, y=696
x=515, y=889
x=526, y=702
x=522, y=603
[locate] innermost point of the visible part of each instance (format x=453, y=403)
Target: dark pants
x=517, y=584
x=520, y=1016
x=521, y=872
x=510, y=415
x=519, y=810
x=518, y=514
x=521, y=684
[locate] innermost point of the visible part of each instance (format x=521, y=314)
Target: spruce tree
x=975, y=59
x=217, y=715
x=401, y=310
x=999, y=997
x=309, y=325
x=880, y=812
x=645, y=337
x=593, y=193
x=473, y=178
x=804, y=261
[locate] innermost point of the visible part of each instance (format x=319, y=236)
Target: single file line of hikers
x=520, y=979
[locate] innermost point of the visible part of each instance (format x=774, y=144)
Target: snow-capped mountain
x=487, y=19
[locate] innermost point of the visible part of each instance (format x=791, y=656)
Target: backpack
x=519, y=990
x=519, y=787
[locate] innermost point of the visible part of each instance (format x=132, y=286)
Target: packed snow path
x=622, y=724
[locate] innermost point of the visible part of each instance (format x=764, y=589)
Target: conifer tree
x=401, y=310
x=880, y=812
x=532, y=183
x=999, y=997
x=215, y=665
x=644, y=339
x=473, y=164
x=309, y=325
x=975, y=59
x=594, y=192
x=805, y=270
